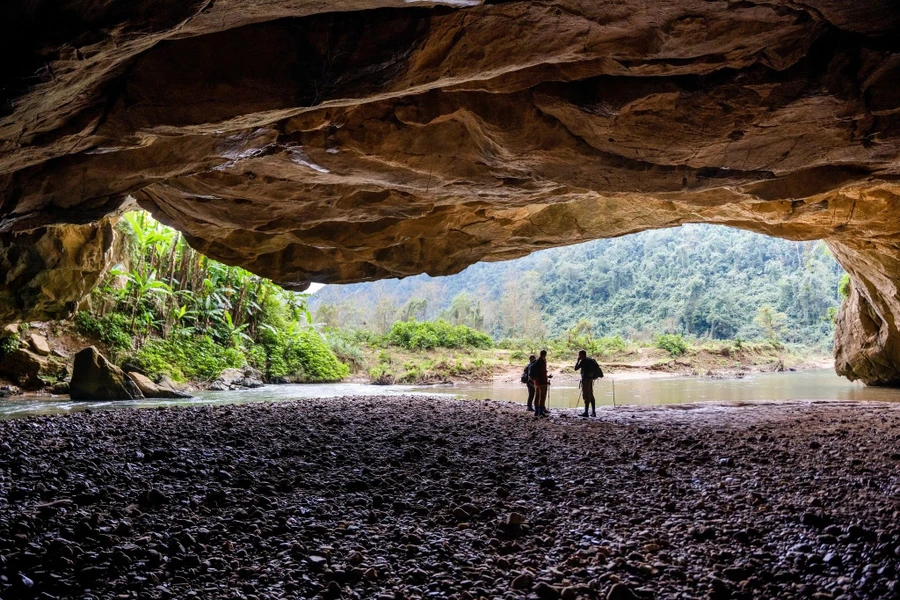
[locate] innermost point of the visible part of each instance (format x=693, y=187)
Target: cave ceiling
x=356, y=140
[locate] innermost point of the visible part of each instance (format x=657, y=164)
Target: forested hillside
x=698, y=280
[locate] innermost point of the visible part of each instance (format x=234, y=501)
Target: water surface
x=816, y=384
x=820, y=384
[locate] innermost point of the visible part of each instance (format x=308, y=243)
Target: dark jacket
x=538, y=371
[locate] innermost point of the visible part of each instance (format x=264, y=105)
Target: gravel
x=401, y=498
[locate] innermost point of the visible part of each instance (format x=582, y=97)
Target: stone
x=154, y=390
x=23, y=367
x=9, y=390
x=523, y=581
x=620, y=591
x=61, y=388
x=246, y=377
x=95, y=378
x=39, y=344
x=545, y=591
x=438, y=138
x=9, y=329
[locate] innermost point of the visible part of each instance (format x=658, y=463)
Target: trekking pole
x=613, y=381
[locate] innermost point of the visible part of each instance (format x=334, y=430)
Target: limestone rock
x=23, y=367
x=45, y=273
x=434, y=139
x=95, y=378
x=154, y=390
x=39, y=344
x=231, y=379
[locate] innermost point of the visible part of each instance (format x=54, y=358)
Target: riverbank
x=400, y=497
x=503, y=366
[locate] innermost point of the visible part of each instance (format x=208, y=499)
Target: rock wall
x=46, y=272
x=363, y=139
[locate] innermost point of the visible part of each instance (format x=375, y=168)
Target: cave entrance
x=691, y=286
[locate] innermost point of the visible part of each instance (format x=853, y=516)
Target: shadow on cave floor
x=401, y=497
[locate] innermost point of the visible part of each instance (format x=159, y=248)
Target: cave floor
x=401, y=497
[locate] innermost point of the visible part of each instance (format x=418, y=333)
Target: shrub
x=844, y=286
x=414, y=335
x=9, y=344
x=674, y=344
x=346, y=348
x=112, y=329
x=300, y=354
x=183, y=357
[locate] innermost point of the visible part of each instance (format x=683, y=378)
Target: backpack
x=525, y=375
x=592, y=369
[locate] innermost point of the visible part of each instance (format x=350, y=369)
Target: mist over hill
x=699, y=280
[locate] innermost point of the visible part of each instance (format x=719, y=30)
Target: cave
x=364, y=139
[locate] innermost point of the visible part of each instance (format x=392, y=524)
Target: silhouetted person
x=590, y=370
x=540, y=378
x=526, y=379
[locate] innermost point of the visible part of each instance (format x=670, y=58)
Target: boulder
x=155, y=390
x=38, y=343
x=231, y=379
x=95, y=378
x=23, y=367
x=9, y=390
x=9, y=329
x=60, y=388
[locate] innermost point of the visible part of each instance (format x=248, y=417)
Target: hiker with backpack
x=526, y=379
x=590, y=370
x=540, y=378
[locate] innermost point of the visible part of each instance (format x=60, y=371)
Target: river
x=818, y=384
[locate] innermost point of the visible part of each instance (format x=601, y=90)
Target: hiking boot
x=584, y=414
x=530, y=408
x=594, y=415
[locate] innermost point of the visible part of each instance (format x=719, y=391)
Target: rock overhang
x=361, y=140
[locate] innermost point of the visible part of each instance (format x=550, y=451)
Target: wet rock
x=9, y=390
x=238, y=378
x=60, y=388
x=95, y=378
x=154, y=390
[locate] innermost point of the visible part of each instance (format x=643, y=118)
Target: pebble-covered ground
x=402, y=498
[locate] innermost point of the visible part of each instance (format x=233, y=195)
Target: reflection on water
x=818, y=384
x=805, y=385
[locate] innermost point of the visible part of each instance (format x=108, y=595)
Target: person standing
x=590, y=370
x=526, y=379
x=539, y=377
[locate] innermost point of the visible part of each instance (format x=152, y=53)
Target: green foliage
x=299, y=353
x=346, y=347
x=771, y=322
x=183, y=357
x=9, y=344
x=414, y=335
x=702, y=281
x=112, y=329
x=191, y=317
x=844, y=286
x=674, y=344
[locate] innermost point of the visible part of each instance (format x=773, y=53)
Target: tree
x=464, y=310
x=771, y=323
